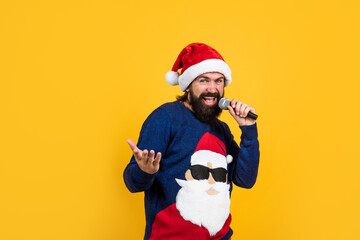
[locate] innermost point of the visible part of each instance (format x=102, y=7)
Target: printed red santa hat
x=194, y=60
x=211, y=149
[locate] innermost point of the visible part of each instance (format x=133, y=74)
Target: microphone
x=224, y=102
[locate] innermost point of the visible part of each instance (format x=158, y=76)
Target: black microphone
x=224, y=102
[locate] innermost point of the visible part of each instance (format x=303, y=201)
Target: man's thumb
x=131, y=144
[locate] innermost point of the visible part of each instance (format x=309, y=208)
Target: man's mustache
x=209, y=94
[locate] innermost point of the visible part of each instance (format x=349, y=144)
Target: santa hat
x=211, y=149
x=194, y=60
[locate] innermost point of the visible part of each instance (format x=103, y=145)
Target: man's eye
x=203, y=80
x=219, y=80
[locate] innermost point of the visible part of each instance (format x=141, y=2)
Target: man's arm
x=243, y=170
x=140, y=173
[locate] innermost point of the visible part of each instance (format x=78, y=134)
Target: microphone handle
x=252, y=115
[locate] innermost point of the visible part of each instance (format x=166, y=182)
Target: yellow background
x=79, y=77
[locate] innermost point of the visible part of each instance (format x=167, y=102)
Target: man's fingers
x=243, y=110
x=252, y=110
x=233, y=103
x=240, y=109
x=249, y=109
x=237, y=105
x=131, y=144
x=157, y=159
x=231, y=111
x=151, y=155
x=137, y=152
x=145, y=156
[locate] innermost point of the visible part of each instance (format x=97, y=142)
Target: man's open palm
x=144, y=159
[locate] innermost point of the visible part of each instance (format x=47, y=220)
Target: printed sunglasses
x=200, y=172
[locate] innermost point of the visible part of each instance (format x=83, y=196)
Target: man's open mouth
x=209, y=100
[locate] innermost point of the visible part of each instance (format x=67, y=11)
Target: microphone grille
x=223, y=103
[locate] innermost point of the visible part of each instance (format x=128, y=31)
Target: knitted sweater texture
x=173, y=130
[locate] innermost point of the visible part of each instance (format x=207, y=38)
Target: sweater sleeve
x=154, y=135
x=244, y=167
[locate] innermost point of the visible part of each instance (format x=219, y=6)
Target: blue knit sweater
x=173, y=130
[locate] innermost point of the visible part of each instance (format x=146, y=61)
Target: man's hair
x=182, y=98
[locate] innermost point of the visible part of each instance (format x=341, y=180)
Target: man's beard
x=200, y=208
x=202, y=111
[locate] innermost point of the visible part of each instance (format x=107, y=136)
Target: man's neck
x=187, y=105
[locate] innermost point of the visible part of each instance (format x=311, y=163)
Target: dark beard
x=202, y=111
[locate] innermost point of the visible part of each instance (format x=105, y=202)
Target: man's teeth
x=210, y=100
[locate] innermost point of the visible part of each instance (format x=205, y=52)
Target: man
x=186, y=160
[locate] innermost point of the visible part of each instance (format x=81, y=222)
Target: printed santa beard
x=200, y=208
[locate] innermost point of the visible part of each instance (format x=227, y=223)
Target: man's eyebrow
x=209, y=78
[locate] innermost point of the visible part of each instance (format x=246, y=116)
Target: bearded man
x=186, y=159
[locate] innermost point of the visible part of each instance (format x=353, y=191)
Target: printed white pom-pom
x=172, y=78
x=229, y=159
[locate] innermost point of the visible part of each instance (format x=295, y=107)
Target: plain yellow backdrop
x=79, y=77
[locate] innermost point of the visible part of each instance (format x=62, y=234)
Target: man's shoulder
x=170, y=106
x=165, y=110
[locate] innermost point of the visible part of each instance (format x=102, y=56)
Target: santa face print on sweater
x=204, y=197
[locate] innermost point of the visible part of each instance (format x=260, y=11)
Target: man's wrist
x=249, y=131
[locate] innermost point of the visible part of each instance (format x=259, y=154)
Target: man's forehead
x=211, y=75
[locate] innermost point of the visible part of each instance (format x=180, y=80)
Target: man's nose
x=212, y=87
x=211, y=180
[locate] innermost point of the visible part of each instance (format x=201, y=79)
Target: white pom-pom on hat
x=172, y=78
x=229, y=159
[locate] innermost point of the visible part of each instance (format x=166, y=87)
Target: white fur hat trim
x=202, y=157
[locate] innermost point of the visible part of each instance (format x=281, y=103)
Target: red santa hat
x=194, y=60
x=211, y=149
